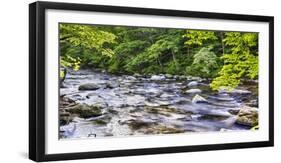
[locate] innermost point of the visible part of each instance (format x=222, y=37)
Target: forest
x=225, y=58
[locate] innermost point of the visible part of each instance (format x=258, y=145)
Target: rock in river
x=169, y=76
x=193, y=91
x=157, y=77
x=85, y=111
x=193, y=83
x=248, y=116
x=89, y=86
x=199, y=99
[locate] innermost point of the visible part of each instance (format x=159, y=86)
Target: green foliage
x=62, y=74
x=204, y=63
x=172, y=68
x=68, y=61
x=227, y=57
x=87, y=36
x=197, y=37
x=79, y=39
x=241, y=62
x=255, y=128
x=156, y=55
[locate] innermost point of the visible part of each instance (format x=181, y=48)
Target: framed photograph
x=110, y=81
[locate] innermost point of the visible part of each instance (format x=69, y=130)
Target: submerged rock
x=193, y=91
x=193, y=83
x=199, y=99
x=89, y=86
x=248, y=116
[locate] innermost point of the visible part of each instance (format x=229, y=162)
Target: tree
x=159, y=53
x=75, y=38
x=197, y=38
x=241, y=62
x=227, y=57
x=204, y=63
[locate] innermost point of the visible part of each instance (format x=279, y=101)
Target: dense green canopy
x=224, y=57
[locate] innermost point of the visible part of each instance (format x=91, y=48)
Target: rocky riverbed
x=98, y=104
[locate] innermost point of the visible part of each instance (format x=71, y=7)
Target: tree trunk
x=175, y=60
x=159, y=62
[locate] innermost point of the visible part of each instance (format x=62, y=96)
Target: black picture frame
x=37, y=80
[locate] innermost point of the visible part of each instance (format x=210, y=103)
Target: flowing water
x=141, y=106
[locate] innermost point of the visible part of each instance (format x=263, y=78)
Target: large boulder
x=89, y=86
x=199, y=99
x=193, y=91
x=192, y=84
x=248, y=116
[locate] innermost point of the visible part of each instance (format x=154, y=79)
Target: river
x=138, y=105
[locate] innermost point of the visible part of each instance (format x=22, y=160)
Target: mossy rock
x=100, y=122
x=248, y=116
x=85, y=111
x=138, y=124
